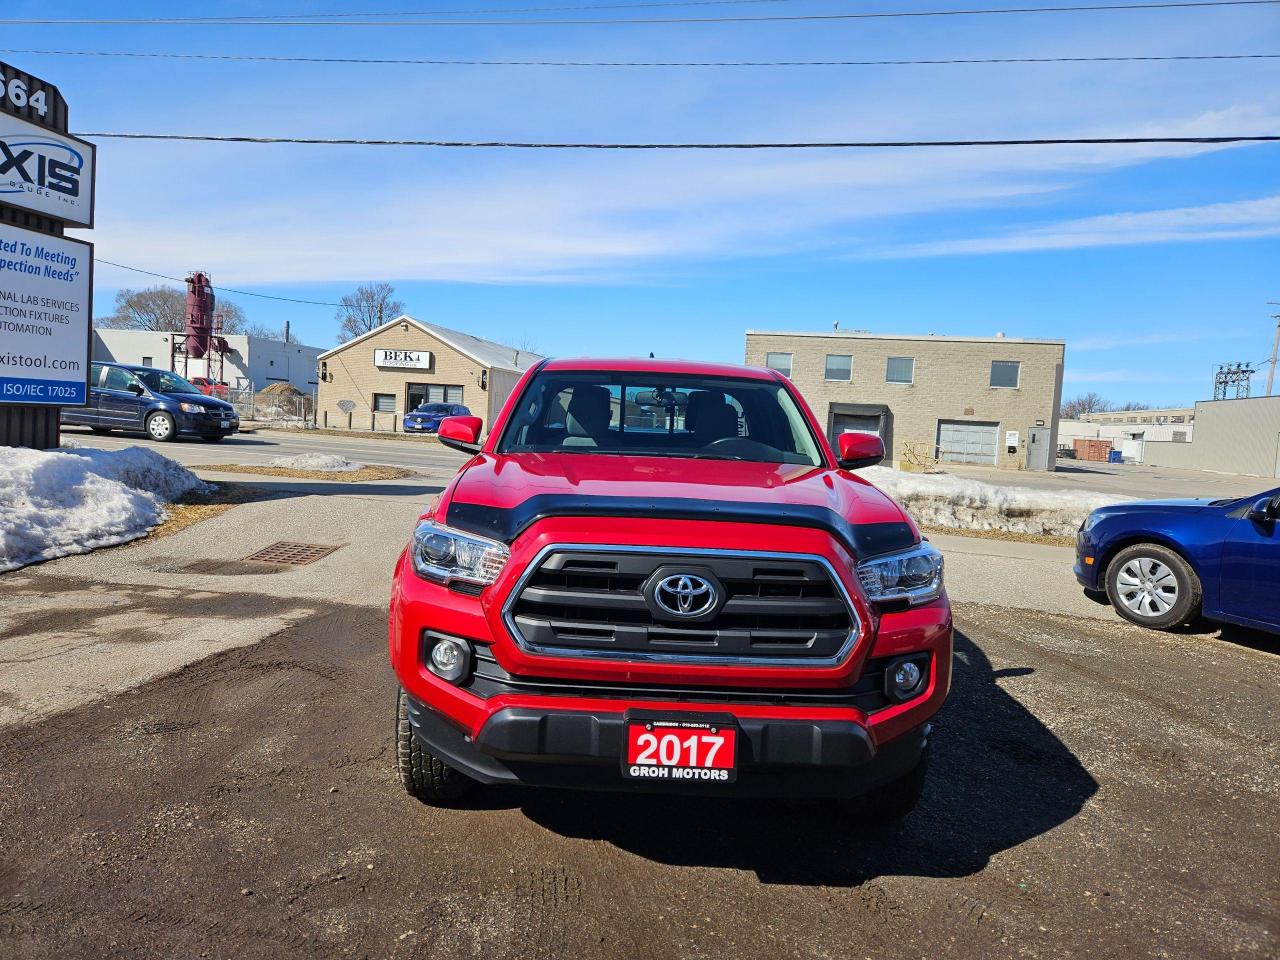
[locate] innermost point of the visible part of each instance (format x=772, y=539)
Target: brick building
x=370, y=382
x=989, y=400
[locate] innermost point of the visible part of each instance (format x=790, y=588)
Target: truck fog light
x=904, y=678
x=450, y=659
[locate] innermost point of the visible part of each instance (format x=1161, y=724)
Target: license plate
x=683, y=750
x=225, y=424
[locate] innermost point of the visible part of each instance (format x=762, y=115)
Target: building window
x=780, y=362
x=1177, y=419
x=1179, y=436
x=839, y=367
x=148, y=361
x=1005, y=373
x=384, y=403
x=900, y=370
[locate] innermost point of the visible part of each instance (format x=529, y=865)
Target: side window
x=1004, y=373
x=839, y=366
x=118, y=379
x=95, y=375
x=780, y=362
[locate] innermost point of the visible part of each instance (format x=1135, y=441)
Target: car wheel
x=160, y=427
x=897, y=798
x=100, y=430
x=424, y=775
x=1153, y=586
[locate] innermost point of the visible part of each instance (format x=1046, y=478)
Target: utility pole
x=1275, y=348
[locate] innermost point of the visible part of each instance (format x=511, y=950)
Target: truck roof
x=695, y=368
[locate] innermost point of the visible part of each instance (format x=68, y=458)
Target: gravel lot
x=1098, y=791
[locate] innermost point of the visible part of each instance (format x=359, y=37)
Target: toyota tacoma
x=659, y=575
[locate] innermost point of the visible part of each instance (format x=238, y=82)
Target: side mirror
x=461, y=433
x=135, y=388
x=1266, y=510
x=858, y=450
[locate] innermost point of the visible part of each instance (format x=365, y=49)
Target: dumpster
x=1115, y=456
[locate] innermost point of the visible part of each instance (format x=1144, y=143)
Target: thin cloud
x=1140, y=340
x=1239, y=220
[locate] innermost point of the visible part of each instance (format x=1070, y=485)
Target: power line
x=445, y=13
x=772, y=18
x=240, y=293
x=639, y=63
x=525, y=145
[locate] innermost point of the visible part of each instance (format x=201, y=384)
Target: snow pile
x=942, y=500
x=58, y=502
x=319, y=462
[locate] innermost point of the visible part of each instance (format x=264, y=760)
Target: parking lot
x=201, y=765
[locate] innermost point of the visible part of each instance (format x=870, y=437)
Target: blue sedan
x=1161, y=563
x=426, y=417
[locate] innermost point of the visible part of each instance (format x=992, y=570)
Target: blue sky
x=1153, y=262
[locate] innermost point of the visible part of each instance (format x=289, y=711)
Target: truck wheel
x=160, y=427
x=423, y=774
x=1152, y=586
x=897, y=798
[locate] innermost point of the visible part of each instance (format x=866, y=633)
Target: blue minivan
x=156, y=402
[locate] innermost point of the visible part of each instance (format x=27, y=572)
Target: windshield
x=160, y=382
x=669, y=416
x=433, y=408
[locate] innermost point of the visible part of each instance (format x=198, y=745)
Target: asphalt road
x=1097, y=791
x=258, y=448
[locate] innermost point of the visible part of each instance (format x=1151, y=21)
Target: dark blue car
x=426, y=417
x=156, y=402
x=1163, y=562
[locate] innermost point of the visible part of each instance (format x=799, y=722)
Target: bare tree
x=1084, y=403
x=270, y=333
x=367, y=309
x=1133, y=405
x=529, y=344
x=165, y=308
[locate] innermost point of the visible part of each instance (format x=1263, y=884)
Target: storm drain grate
x=292, y=554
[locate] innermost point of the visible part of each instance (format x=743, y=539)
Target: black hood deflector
x=862, y=540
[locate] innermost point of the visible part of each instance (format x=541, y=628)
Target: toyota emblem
x=685, y=595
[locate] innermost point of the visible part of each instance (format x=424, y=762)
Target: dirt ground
x=1096, y=791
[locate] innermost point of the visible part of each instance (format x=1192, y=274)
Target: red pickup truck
x=658, y=575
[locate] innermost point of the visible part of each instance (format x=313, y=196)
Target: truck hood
x=500, y=496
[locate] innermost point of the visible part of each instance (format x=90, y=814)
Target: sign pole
x=46, y=279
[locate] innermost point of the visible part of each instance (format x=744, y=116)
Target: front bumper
x=805, y=730
x=573, y=749
x=205, y=426
x=420, y=427
x=1088, y=565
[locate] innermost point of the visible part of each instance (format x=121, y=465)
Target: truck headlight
x=913, y=575
x=442, y=554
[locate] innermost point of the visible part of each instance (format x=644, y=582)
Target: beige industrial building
x=369, y=383
x=1231, y=436
x=1162, y=415
x=983, y=400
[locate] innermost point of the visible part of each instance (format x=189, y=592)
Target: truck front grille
x=578, y=601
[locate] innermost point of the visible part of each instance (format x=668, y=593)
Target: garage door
x=855, y=423
x=967, y=442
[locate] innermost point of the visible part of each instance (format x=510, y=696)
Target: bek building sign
x=402, y=359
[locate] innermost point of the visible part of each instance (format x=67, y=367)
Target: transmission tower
x=1232, y=381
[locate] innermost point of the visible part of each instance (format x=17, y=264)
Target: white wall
x=255, y=360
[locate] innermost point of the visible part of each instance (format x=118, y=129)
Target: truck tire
x=160, y=427
x=1153, y=586
x=897, y=798
x=424, y=775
